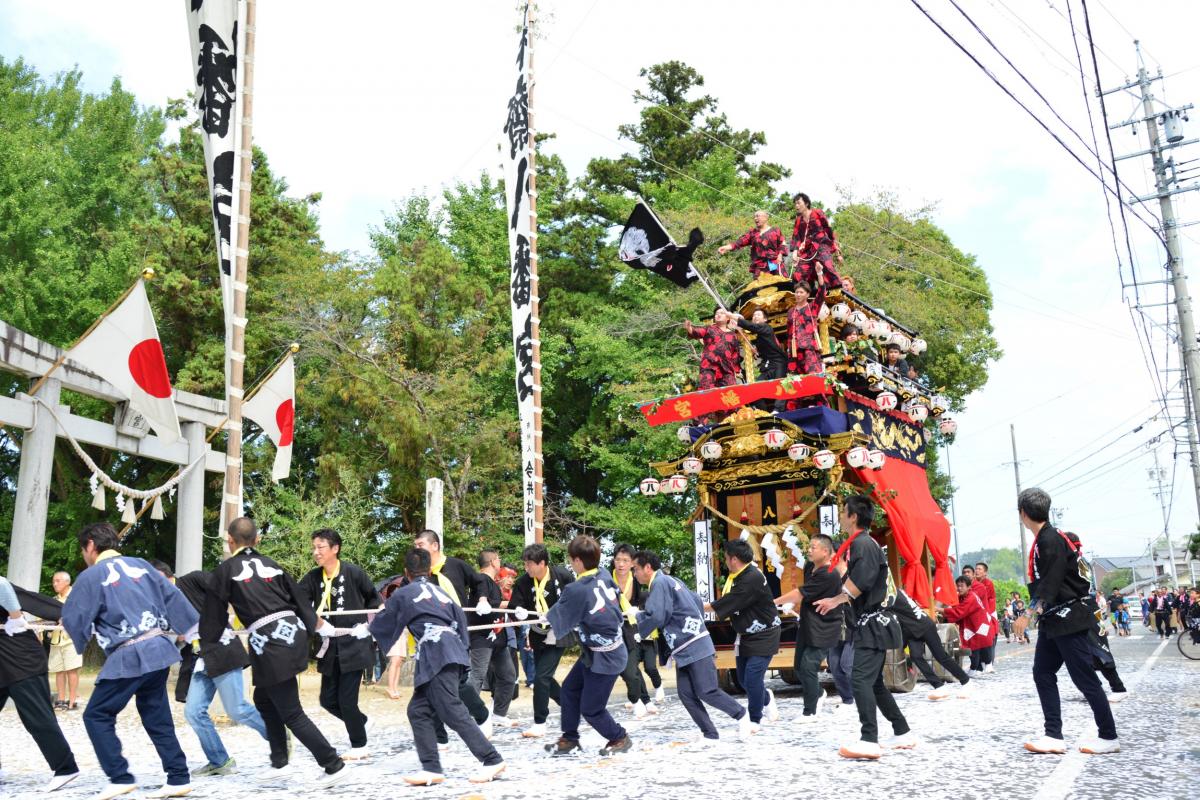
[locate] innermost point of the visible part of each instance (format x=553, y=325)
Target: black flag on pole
x=646, y=244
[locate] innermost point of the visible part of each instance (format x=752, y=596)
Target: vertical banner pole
x=535, y=304
x=231, y=501
x=433, y=508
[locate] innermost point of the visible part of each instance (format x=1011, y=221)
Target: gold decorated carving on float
x=782, y=469
x=889, y=434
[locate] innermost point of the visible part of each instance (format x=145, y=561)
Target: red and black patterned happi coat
x=816, y=243
x=766, y=248
x=804, y=345
x=721, y=360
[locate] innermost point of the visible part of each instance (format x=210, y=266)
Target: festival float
x=774, y=479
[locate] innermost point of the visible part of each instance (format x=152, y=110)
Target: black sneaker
x=622, y=745
x=563, y=747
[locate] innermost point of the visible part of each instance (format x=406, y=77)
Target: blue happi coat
x=590, y=607
x=676, y=611
x=122, y=598
x=437, y=623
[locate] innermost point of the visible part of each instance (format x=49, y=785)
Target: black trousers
x=697, y=685
x=1074, y=650
x=494, y=663
x=545, y=687
x=470, y=698
x=916, y=651
x=339, y=696
x=982, y=656
x=772, y=370
x=649, y=655
x=1114, y=680
x=1162, y=623
x=806, y=663
x=635, y=687
x=869, y=693
x=279, y=705
x=436, y=702
x=31, y=696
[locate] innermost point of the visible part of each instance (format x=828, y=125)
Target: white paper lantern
x=858, y=319
x=824, y=459
x=692, y=466
x=823, y=314
x=875, y=459
x=918, y=346
x=674, y=484
x=918, y=412
x=886, y=401
x=900, y=340
x=685, y=434
x=881, y=332
x=856, y=457
x=840, y=311
x=649, y=487
x=775, y=438
x=948, y=426
x=711, y=451
x=799, y=452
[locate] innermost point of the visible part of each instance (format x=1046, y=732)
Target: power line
x=1098, y=176
x=1096, y=472
x=1046, y=473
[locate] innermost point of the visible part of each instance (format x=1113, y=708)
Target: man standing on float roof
x=876, y=629
x=337, y=585
x=278, y=618
x=767, y=246
x=131, y=607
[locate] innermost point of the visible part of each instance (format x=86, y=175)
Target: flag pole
x=231, y=498
x=147, y=274
x=534, y=308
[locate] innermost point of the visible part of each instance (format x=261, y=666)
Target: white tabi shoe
x=331, y=778
x=966, y=690
x=503, y=722
x=1095, y=746
x=905, y=741
x=807, y=719
x=868, y=751
x=59, y=781
x=356, y=754
x=535, y=731
x=745, y=727
x=168, y=790
x=628, y=706
x=114, y=790
x=651, y=708
x=943, y=692
x=1047, y=744
x=486, y=726
x=424, y=778
x=488, y=774
x=660, y=696
x=639, y=710
x=1118, y=697
x=988, y=669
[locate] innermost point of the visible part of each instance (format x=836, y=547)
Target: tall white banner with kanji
x=216, y=30
x=521, y=234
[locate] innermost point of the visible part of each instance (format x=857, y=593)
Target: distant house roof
x=1119, y=562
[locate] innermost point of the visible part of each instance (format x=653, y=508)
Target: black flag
x=646, y=244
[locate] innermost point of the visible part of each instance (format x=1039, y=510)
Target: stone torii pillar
x=33, y=492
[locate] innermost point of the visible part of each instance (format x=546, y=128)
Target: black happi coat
x=225, y=654
x=257, y=587
x=750, y=607
x=875, y=624
x=485, y=639
x=1057, y=584
x=22, y=656
x=915, y=623
x=815, y=629
x=765, y=341
x=351, y=590
x=523, y=595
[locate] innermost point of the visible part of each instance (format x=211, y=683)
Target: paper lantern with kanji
x=775, y=438
x=948, y=426
x=799, y=452
x=648, y=487
x=824, y=459
x=685, y=434
x=692, y=466
x=918, y=412
x=856, y=457
x=900, y=340
x=918, y=346
x=674, y=484
x=711, y=451
x=875, y=459
x=858, y=319
x=886, y=401
x=839, y=311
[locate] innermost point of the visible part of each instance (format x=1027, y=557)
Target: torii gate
x=28, y=356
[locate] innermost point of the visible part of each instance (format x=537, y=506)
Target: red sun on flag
x=148, y=367
x=285, y=418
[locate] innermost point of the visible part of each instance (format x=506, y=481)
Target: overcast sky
x=368, y=102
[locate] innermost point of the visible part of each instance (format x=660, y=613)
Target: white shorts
x=63, y=658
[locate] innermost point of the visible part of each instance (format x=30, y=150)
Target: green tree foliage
x=1004, y=563
x=1116, y=579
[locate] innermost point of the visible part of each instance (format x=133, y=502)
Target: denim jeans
x=751, y=670
x=841, y=664
x=233, y=699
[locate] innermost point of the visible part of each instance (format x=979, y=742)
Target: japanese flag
x=273, y=408
x=124, y=350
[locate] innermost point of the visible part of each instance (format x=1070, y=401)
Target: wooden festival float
x=775, y=479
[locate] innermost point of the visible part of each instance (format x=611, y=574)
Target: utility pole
x=1157, y=474
x=1012, y=430
x=1166, y=185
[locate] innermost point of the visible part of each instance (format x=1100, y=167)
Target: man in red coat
x=976, y=628
x=986, y=590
